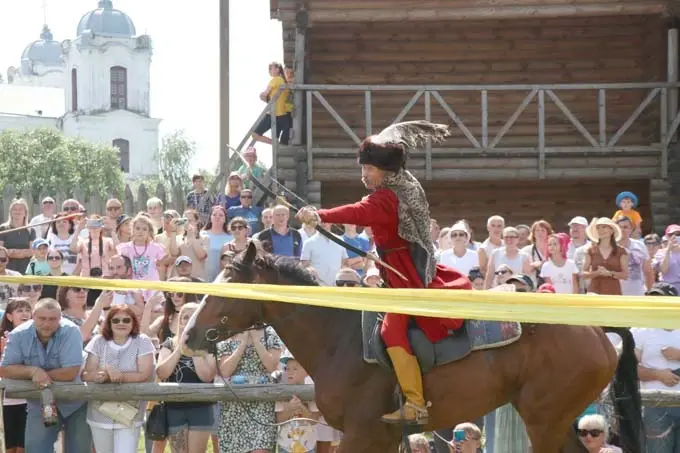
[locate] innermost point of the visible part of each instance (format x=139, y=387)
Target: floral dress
x=239, y=431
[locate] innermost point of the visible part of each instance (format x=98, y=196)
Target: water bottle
x=238, y=379
x=50, y=415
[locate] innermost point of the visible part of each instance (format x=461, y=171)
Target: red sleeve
x=377, y=208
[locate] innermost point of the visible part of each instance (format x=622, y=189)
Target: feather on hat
x=388, y=150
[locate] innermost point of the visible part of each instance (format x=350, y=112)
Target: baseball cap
x=521, y=278
x=40, y=242
x=373, y=272
x=286, y=356
x=672, y=229
x=546, y=288
x=183, y=259
x=235, y=174
x=662, y=289
x=48, y=200
x=578, y=220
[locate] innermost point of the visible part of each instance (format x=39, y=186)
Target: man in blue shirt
x=246, y=210
x=45, y=350
x=280, y=239
x=355, y=261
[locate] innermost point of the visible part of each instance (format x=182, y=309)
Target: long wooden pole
x=46, y=222
x=224, y=87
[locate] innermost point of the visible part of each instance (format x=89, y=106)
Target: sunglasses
x=121, y=320
x=48, y=202
x=3, y=259
x=175, y=294
x=79, y=290
x=246, y=196
x=71, y=208
x=54, y=258
x=238, y=228
x=26, y=288
x=347, y=283
x=458, y=235
x=510, y=237
x=591, y=432
x=503, y=272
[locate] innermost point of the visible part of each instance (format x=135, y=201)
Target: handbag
x=157, y=423
x=119, y=411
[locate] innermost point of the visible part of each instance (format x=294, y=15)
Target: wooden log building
x=556, y=105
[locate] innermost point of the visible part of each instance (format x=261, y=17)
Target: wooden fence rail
x=165, y=391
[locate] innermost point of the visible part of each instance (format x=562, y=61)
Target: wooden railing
x=485, y=143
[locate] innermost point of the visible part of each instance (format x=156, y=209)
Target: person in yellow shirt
x=627, y=202
x=283, y=117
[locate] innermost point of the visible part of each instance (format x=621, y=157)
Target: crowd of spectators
x=52, y=333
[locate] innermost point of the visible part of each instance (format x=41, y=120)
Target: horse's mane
x=286, y=267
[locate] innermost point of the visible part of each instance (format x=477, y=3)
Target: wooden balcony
x=558, y=131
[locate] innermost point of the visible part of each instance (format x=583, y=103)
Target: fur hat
x=389, y=149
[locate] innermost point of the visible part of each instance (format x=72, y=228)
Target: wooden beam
x=479, y=13
x=164, y=391
x=224, y=87
x=298, y=95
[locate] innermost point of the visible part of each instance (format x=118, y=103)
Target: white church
x=95, y=86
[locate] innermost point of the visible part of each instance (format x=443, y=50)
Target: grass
x=141, y=448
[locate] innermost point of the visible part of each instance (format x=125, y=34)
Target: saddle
x=475, y=335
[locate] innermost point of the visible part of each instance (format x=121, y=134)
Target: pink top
x=144, y=259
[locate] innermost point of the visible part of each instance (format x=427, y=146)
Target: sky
x=185, y=41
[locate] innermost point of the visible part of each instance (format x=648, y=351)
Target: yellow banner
x=574, y=309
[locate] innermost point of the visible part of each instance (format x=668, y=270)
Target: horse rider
x=398, y=212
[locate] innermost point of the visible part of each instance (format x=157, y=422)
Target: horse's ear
x=251, y=253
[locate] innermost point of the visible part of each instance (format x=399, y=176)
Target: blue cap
x=629, y=195
x=39, y=242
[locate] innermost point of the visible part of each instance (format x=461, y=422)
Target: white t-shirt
x=297, y=436
x=462, y=264
x=324, y=256
x=562, y=278
x=650, y=342
x=40, y=230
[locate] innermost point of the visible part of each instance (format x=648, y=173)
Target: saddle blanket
x=475, y=335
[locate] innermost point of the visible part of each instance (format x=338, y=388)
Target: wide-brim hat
x=591, y=231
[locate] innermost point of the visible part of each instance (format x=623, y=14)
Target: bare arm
x=623, y=275
x=488, y=280
x=574, y=284
x=229, y=363
x=64, y=374
x=587, y=273
x=269, y=357
x=483, y=260
x=666, y=261
x=206, y=367
x=145, y=370
x=167, y=361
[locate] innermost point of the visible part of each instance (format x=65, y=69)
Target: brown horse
x=550, y=375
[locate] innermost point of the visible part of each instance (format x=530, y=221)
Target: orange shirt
x=633, y=215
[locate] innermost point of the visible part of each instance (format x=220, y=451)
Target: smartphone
x=676, y=372
x=459, y=435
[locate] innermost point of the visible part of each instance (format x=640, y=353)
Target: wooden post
x=672, y=74
x=541, y=134
x=299, y=68
x=224, y=87
x=428, y=146
x=3, y=447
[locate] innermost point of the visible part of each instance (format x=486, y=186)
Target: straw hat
x=591, y=231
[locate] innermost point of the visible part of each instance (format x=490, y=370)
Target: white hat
x=373, y=272
x=591, y=231
x=578, y=220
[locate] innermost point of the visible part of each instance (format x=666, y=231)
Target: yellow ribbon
x=574, y=309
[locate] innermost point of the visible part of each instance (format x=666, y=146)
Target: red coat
x=379, y=210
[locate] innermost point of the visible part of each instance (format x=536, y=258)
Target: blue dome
x=107, y=21
x=45, y=51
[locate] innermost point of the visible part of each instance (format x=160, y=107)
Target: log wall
x=517, y=201
x=560, y=50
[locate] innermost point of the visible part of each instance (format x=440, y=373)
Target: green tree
x=174, y=159
x=45, y=160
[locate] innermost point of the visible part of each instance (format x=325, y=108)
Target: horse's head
x=219, y=318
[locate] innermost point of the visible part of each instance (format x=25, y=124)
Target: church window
x=74, y=90
x=118, y=87
x=124, y=147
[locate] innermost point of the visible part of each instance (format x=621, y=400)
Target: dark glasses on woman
x=238, y=227
x=121, y=320
x=590, y=432
x=79, y=290
x=502, y=272
x=54, y=258
x=175, y=294
x=347, y=283
x=26, y=288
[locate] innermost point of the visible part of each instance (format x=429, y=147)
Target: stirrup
x=420, y=414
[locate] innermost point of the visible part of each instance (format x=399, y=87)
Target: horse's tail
x=624, y=392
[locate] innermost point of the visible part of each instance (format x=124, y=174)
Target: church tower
x=107, y=85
